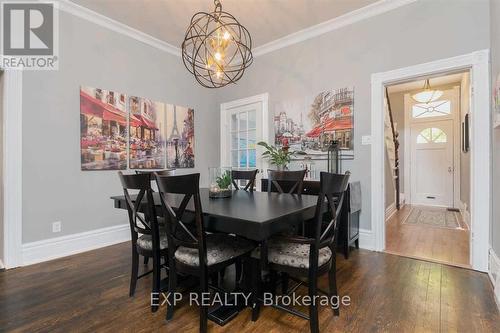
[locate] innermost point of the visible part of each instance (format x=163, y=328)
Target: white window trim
x=12, y=167
x=224, y=126
x=478, y=63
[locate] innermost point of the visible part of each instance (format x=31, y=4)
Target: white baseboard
x=465, y=213
x=63, y=246
x=494, y=274
x=366, y=239
x=390, y=210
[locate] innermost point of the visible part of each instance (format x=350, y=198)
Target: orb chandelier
x=217, y=48
x=427, y=95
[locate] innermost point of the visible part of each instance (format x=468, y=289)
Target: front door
x=432, y=163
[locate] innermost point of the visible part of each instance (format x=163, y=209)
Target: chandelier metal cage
x=216, y=48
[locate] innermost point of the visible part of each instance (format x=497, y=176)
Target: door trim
x=224, y=107
x=478, y=63
x=456, y=148
x=12, y=167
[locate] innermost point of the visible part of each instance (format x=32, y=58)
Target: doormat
x=436, y=217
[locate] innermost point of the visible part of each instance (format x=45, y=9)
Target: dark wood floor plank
x=89, y=293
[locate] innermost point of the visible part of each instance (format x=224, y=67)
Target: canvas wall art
x=309, y=124
x=147, y=140
x=103, y=129
x=180, y=137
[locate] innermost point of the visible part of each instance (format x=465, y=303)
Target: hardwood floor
x=89, y=293
x=449, y=246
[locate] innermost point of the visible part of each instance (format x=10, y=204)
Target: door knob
x=450, y=169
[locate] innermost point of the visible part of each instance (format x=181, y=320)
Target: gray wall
x=495, y=70
x=423, y=31
x=54, y=188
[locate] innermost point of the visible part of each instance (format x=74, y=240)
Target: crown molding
x=106, y=22
x=377, y=8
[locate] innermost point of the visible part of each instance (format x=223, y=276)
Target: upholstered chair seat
x=281, y=252
x=145, y=242
x=220, y=248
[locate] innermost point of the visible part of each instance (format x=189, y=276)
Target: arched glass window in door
x=432, y=109
x=432, y=135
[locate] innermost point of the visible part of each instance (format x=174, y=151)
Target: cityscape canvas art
x=309, y=124
x=103, y=129
x=147, y=126
x=180, y=137
x=119, y=131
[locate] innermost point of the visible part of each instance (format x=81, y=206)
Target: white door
x=242, y=126
x=432, y=163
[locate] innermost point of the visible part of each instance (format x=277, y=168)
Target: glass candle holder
x=221, y=182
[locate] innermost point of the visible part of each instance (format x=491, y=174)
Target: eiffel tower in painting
x=174, y=137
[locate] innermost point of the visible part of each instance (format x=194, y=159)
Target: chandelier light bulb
x=216, y=49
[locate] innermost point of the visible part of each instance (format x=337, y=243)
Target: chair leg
x=156, y=278
x=273, y=281
x=284, y=283
x=332, y=280
x=239, y=270
x=146, y=260
x=256, y=288
x=203, y=308
x=172, y=287
x=135, y=271
x=313, y=307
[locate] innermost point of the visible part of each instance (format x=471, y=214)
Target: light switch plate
x=366, y=140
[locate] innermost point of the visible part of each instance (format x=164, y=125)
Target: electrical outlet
x=366, y=140
x=56, y=226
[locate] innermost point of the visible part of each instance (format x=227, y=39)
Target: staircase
x=392, y=146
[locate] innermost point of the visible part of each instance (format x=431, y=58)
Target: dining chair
x=165, y=172
x=195, y=253
x=285, y=181
x=244, y=175
x=147, y=238
x=309, y=257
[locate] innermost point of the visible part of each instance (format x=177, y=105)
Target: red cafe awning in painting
x=147, y=123
x=92, y=106
x=329, y=126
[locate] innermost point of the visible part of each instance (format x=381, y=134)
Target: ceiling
x=266, y=20
x=434, y=82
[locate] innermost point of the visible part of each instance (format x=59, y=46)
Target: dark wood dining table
x=253, y=215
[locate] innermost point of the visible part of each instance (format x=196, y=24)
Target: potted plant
x=277, y=156
x=220, y=182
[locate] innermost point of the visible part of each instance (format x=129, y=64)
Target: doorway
x=480, y=146
x=432, y=220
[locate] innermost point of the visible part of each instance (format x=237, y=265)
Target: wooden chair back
x=178, y=232
x=278, y=178
x=244, y=175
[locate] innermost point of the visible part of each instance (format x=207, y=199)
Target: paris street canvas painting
x=180, y=137
x=147, y=138
x=308, y=125
x=103, y=129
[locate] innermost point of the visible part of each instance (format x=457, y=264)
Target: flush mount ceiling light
x=217, y=48
x=427, y=95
